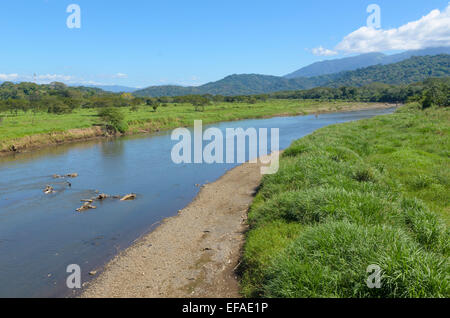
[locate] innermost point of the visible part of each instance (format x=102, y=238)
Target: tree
x=199, y=102
x=154, y=103
x=113, y=119
x=59, y=108
x=149, y=102
x=427, y=101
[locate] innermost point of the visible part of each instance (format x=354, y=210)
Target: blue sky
x=140, y=43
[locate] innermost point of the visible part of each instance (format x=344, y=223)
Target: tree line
x=58, y=98
x=431, y=91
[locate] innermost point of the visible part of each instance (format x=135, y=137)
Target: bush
x=59, y=109
x=114, y=119
x=330, y=260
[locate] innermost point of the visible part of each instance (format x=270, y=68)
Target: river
x=40, y=235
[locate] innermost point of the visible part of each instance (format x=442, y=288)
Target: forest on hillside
x=414, y=69
x=58, y=98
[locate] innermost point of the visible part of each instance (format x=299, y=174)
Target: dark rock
x=102, y=197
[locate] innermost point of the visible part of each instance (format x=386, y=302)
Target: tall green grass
x=349, y=196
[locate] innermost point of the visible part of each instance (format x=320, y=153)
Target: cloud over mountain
x=432, y=30
x=321, y=51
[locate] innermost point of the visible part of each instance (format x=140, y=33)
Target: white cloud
x=320, y=51
x=9, y=77
x=432, y=30
x=53, y=78
x=67, y=79
x=120, y=75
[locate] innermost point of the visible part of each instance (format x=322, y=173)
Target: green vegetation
x=352, y=195
x=114, y=119
x=437, y=91
x=361, y=61
x=16, y=126
x=414, y=69
x=30, y=110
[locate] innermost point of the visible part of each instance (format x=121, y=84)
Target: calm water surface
x=41, y=234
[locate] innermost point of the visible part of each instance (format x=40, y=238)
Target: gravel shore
x=193, y=254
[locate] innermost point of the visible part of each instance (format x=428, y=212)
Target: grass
x=13, y=128
x=374, y=191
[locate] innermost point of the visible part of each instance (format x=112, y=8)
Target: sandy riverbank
x=193, y=254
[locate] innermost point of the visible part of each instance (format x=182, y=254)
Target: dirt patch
x=193, y=254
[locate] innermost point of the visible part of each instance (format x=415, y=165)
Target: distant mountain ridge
x=112, y=88
x=414, y=69
x=361, y=61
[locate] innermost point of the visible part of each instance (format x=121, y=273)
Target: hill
x=28, y=90
x=114, y=88
x=414, y=69
x=237, y=84
x=338, y=65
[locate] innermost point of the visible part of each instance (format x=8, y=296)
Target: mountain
x=242, y=84
x=246, y=84
x=414, y=69
x=361, y=61
x=411, y=70
x=115, y=88
x=109, y=88
x=389, y=59
x=338, y=65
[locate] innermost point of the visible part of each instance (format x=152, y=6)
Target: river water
x=40, y=235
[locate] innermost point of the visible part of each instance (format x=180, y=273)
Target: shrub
x=114, y=119
x=59, y=109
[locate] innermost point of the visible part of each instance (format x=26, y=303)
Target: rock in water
x=49, y=189
x=128, y=197
x=102, y=196
x=86, y=206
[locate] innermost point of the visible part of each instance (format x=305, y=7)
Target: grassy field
x=351, y=195
x=13, y=128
